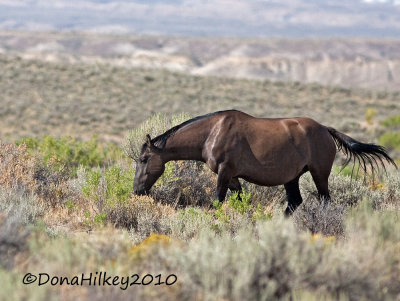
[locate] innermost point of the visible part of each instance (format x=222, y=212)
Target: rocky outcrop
x=345, y=62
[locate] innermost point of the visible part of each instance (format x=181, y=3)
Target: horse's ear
x=148, y=140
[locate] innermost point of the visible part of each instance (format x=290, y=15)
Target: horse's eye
x=143, y=160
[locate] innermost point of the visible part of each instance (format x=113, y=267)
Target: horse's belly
x=269, y=178
x=274, y=170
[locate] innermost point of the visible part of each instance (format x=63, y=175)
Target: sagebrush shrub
x=387, y=195
x=17, y=167
x=22, y=205
x=189, y=222
x=141, y=215
x=190, y=183
x=13, y=239
x=17, y=210
x=263, y=265
x=321, y=216
x=22, y=171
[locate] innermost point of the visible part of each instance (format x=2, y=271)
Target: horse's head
x=149, y=167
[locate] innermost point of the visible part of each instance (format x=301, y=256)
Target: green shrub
x=390, y=140
x=169, y=175
x=239, y=209
x=108, y=187
x=100, y=219
x=370, y=113
x=119, y=183
x=67, y=153
x=354, y=171
x=242, y=204
x=392, y=121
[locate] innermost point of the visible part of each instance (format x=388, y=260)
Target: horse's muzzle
x=139, y=192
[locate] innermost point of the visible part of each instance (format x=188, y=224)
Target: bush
x=392, y=121
x=237, y=209
x=189, y=222
x=24, y=172
x=13, y=236
x=22, y=205
x=186, y=183
x=269, y=197
x=108, y=186
x=264, y=265
x=370, y=113
x=387, y=194
x=17, y=167
x=390, y=140
x=18, y=210
x=326, y=218
x=343, y=189
x=141, y=215
x=67, y=154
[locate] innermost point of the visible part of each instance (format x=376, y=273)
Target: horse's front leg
x=234, y=186
x=224, y=177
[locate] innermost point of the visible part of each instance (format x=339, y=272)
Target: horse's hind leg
x=293, y=196
x=321, y=182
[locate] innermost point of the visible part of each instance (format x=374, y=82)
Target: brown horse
x=263, y=151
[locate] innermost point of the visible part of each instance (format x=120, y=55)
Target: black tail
x=365, y=153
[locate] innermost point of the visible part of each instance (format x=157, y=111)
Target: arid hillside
x=56, y=98
x=368, y=63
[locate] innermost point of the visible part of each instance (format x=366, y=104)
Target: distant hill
x=368, y=63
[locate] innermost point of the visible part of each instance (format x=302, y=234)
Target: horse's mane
x=161, y=140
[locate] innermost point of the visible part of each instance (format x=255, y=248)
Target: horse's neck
x=187, y=143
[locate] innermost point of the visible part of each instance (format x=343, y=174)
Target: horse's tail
x=365, y=153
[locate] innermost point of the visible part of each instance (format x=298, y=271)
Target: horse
x=263, y=151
